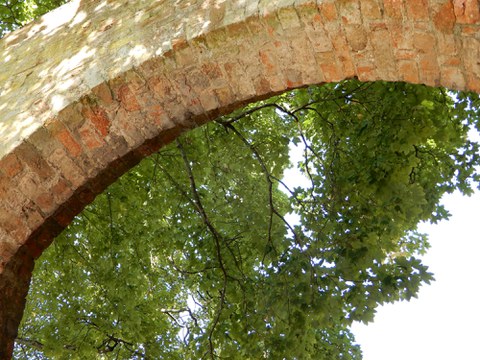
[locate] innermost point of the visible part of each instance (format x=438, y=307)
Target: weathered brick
x=356, y=37
x=425, y=43
x=9, y=246
x=13, y=224
x=289, y=19
x=33, y=217
x=68, y=168
x=30, y=156
x=452, y=77
x=473, y=83
x=371, y=9
x=128, y=98
x=10, y=165
x=406, y=54
x=383, y=51
x=66, y=138
x=444, y=19
x=45, y=202
x=408, y=71
x=89, y=137
x=103, y=93
x=99, y=118
x=429, y=71
x=401, y=36
x=328, y=11
x=467, y=11
x=350, y=11
x=366, y=72
x=393, y=8
x=417, y=9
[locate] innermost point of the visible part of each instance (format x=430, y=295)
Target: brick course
x=108, y=85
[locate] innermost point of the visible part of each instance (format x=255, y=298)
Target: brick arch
x=95, y=86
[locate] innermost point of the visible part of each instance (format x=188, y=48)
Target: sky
x=443, y=323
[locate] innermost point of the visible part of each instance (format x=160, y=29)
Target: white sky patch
x=293, y=178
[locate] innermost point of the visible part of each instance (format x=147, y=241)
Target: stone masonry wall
x=93, y=87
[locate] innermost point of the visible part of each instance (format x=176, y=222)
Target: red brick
x=425, y=43
x=452, y=77
x=469, y=30
x=350, y=11
x=331, y=72
x=383, y=52
x=10, y=165
x=67, y=167
x=9, y=246
x=357, y=37
x=370, y=9
x=467, y=11
x=452, y=61
x=408, y=71
x=267, y=61
x=30, y=185
x=61, y=191
x=136, y=82
x=225, y=96
x=30, y=156
x=32, y=215
x=328, y=11
x=42, y=237
x=89, y=137
x=446, y=45
x=289, y=19
x=444, y=19
x=417, y=9
x=99, y=118
x=126, y=127
x=429, y=71
x=8, y=191
x=66, y=213
x=103, y=93
x=405, y=54
x=70, y=117
x=198, y=80
x=473, y=83
x=366, y=73
x=401, y=35
x=393, y=8
x=127, y=98
x=308, y=13
x=14, y=224
x=67, y=140
x=45, y=202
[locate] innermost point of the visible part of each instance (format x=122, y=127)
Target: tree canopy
x=204, y=251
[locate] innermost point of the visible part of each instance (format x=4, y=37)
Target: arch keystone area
x=93, y=87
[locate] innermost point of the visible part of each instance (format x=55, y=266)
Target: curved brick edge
x=49, y=177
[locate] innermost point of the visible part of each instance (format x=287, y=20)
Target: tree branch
x=217, y=237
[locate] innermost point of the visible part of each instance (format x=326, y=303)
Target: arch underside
x=134, y=77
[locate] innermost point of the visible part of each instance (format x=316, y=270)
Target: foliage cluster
x=203, y=250
x=16, y=13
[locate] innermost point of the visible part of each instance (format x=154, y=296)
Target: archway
x=111, y=83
